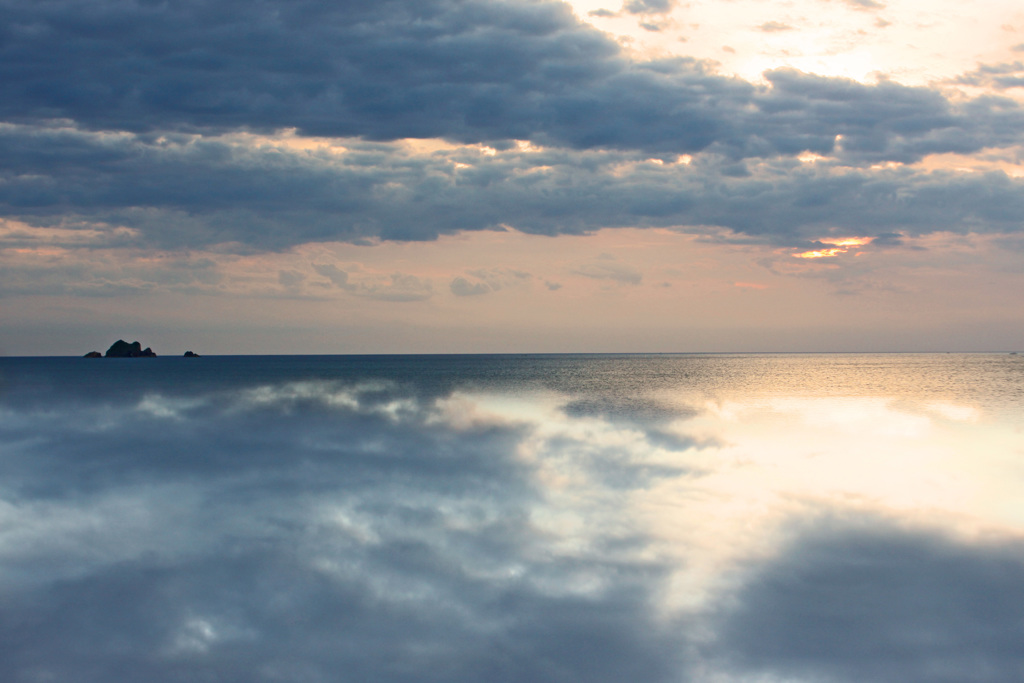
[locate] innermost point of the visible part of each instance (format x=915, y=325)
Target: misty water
x=723, y=518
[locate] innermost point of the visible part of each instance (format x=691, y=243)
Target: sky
x=511, y=176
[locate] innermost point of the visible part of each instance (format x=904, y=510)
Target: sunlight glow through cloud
x=840, y=246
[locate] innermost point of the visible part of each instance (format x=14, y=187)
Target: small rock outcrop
x=122, y=349
x=189, y=354
x=93, y=354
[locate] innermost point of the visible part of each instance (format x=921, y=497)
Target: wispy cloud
x=648, y=6
x=610, y=270
x=460, y=286
x=774, y=27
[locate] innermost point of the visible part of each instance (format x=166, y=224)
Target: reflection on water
x=520, y=518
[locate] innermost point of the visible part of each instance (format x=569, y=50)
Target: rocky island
x=122, y=349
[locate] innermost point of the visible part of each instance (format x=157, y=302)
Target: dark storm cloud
x=852, y=602
x=194, y=191
x=886, y=120
x=138, y=114
x=465, y=71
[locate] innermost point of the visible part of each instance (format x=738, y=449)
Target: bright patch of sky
x=914, y=43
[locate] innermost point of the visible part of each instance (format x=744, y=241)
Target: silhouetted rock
x=122, y=349
x=189, y=354
x=93, y=354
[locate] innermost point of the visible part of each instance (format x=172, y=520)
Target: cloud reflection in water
x=533, y=518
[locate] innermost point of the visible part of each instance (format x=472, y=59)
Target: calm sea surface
x=723, y=518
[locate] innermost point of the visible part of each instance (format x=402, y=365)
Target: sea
x=721, y=518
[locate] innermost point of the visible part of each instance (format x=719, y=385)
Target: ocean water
x=640, y=518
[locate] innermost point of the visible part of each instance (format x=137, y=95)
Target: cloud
x=648, y=6
x=486, y=281
x=201, y=192
x=400, y=287
x=396, y=287
x=40, y=265
x=865, y=4
x=290, y=279
x=912, y=122
x=460, y=286
x=476, y=72
x=653, y=26
x=166, y=126
x=616, y=272
x=774, y=27
x=483, y=70
x=998, y=76
x=338, y=277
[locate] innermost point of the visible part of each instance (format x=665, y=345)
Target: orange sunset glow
x=839, y=246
